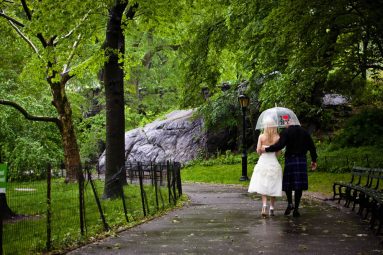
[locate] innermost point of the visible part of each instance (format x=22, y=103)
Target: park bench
x=372, y=199
x=377, y=211
x=370, y=192
x=365, y=189
x=346, y=190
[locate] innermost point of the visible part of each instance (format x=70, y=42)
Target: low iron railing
x=39, y=226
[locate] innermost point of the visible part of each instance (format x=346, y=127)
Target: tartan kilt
x=295, y=173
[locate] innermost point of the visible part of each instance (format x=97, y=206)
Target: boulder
x=178, y=137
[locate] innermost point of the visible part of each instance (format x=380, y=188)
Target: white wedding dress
x=267, y=176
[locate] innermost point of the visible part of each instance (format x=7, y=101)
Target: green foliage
x=206, y=53
x=363, y=129
x=29, y=158
x=73, y=28
x=309, y=44
x=333, y=159
x=221, y=110
x=91, y=137
x=372, y=94
x=28, y=146
x=288, y=51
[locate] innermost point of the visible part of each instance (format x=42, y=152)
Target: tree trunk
x=114, y=93
x=66, y=127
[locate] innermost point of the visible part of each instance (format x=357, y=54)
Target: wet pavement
x=225, y=219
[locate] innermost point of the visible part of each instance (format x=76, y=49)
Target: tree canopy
x=289, y=51
x=285, y=51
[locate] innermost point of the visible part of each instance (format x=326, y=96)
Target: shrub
x=363, y=129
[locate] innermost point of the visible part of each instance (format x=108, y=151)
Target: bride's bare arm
x=259, y=144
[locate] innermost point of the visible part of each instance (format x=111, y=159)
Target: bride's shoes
x=264, y=214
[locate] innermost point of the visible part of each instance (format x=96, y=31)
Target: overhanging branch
x=2, y=14
x=27, y=115
x=30, y=43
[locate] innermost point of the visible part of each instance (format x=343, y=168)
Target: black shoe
x=289, y=209
x=296, y=213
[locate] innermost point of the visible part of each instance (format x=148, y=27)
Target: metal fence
x=51, y=215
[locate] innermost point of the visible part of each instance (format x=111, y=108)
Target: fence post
x=49, y=208
x=168, y=178
x=1, y=232
x=151, y=173
x=1, y=222
x=2, y=189
x=156, y=185
x=106, y=227
x=174, y=183
x=179, y=181
x=161, y=174
x=80, y=178
x=123, y=196
x=140, y=173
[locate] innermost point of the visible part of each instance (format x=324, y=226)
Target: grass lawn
x=230, y=174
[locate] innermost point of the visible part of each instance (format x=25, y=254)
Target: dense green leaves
x=221, y=111
x=290, y=52
x=363, y=129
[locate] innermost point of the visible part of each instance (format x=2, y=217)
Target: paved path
x=224, y=219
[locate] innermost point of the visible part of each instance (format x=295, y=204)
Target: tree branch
x=2, y=14
x=74, y=29
x=25, y=38
x=27, y=115
x=131, y=11
x=374, y=66
x=42, y=40
x=26, y=9
x=75, y=45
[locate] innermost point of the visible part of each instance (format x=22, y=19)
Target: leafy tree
x=289, y=51
x=50, y=37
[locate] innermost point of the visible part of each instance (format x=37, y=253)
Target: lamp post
x=244, y=103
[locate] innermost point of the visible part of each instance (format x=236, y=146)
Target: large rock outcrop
x=179, y=137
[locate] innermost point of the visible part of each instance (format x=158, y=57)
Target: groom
x=297, y=142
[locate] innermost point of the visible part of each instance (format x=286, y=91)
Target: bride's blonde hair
x=270, y=133
x=270, y=130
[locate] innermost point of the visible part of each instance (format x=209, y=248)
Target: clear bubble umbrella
x=277, y=117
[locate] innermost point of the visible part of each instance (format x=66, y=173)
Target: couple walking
x=267, y=177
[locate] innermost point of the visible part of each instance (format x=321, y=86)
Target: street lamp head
x=244, y=101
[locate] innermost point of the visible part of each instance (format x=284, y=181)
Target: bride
x=267, y=175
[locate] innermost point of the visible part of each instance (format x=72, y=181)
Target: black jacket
x=297, y=142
